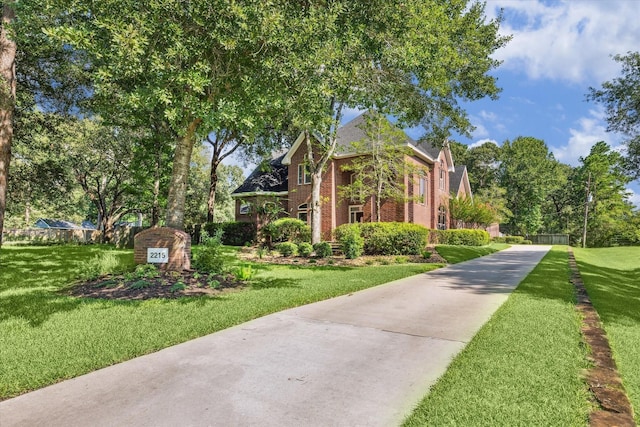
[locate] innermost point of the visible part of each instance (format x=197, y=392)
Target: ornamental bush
x=209, y=258
x=323, y=249
x=287, y=248
x=288, y=230
x=514, y=239
x=351, y=242
x=393, y=238
x=463, y=237
x=305, y=249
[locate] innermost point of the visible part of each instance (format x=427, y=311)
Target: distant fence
x=122, y=236
x=550, y=239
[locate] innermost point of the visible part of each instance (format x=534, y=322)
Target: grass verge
x=612, y=279
x=523, y=367
x=46, y=336
x=456, y=254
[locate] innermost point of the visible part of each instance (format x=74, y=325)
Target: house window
x=442, y=218
x=441, y=175
x=303, y=212
x=304, y=175
x=355, y=214
x=245, y=208
x=423, y=190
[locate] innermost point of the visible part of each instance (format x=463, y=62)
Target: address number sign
x=157, y=255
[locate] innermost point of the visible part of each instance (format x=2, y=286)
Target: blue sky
x=559, y=49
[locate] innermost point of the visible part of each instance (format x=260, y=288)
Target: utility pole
x=586, y=213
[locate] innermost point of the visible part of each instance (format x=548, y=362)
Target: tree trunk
x=7, y=100
x=213, y=185
x=155, y=207
x=316, y=211
x=179, y=178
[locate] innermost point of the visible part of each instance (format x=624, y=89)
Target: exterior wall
x=254, y=202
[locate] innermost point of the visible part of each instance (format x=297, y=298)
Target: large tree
x=528, y=173
x=621, y=98
x=414, y=59
x=198, y=63
x=8, y=50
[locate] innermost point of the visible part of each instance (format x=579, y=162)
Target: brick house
x=285, y=183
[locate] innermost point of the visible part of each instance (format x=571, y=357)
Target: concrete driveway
x=364, y=359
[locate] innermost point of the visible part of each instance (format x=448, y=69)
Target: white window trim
x=353, y=209
x=304, y=176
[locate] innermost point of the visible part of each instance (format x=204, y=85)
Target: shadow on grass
x=35, y=307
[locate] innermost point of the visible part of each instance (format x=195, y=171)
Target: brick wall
x=178, y=242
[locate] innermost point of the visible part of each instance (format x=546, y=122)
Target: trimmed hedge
x=517, y=240
x=323, y=249
x=305, y=249
x=393, y=238
x=288, y=230
x=287, y=248
x=234, y=233
x=464, y=237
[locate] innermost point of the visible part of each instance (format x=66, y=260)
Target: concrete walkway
x=364, y=359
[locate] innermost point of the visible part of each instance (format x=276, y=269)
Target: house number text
x=157, y=255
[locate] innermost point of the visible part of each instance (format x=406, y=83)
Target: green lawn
x=523, y=367
x=456, y=254
x=46, y=336
x=612, y=279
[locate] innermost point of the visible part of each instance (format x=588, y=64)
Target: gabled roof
x=273, y=180
x=57, y=224
x=457, y=179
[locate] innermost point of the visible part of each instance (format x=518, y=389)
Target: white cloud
x=569, y=40
x=634, y=197
x=482, y=142
x=590, y=130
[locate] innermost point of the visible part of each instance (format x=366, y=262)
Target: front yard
x=47, y=335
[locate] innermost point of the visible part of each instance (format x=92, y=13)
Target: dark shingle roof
x=273, y=180
x=351, y=132
x=455, y=178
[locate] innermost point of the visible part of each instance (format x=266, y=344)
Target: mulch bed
x=169, y=284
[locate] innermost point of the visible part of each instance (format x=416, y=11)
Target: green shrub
x=288, y=230
x=234, y=233
x=100, y=265
x=393, y=238
x=210, y=257
x=426, y=254
x=244, y=272
x=527, y=242
x=499, y=239
x=305, y=249
x=287, y=248
x=514, y=239
x=323, y=249
x=351, y=242
x=464, y=237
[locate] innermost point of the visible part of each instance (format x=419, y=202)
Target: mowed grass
x=456, y=254
x=523, y=367
x=46, y=336
x=612, y=279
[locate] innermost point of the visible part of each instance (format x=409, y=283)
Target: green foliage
x=393, y=238
x=305, y=249
x=244, y=272
x=426, y=254
x=178, y=286
x=513, y=239
x=146, y=271
x=100, y=265
x=235, y=233
x=210, y=257
x=323, y=249
x=460, y=237
x=213, y=283
x=287, y=248
x=469, y=212
x=351, y=242
x=621, y=99
x=289, y=230
x=140, y=284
